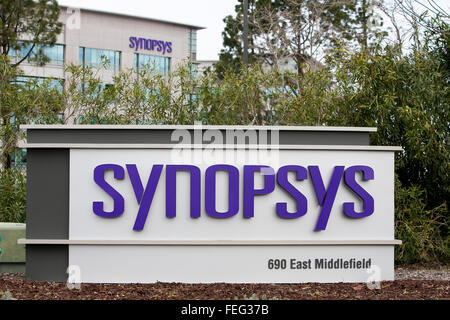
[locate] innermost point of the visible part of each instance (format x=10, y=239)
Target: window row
x=54, y=53
x=52, y=83
x=94, y=58
x=97, y=58
x=110, y=59
x=155, y=64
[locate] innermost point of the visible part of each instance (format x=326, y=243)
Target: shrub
x=424, y=232
x=13, y=195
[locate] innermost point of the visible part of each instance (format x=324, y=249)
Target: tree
x=34, y=101
x=407, y=99
x=26, y=26
x=298, y=30
x=231, y=56
x=366, y=23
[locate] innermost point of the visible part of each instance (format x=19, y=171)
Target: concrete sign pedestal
x=203, y=204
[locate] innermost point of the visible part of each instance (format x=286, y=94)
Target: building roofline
x=138, y=17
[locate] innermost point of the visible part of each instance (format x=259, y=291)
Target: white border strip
x=211, y=242
x=198, y=127
x=202, y=146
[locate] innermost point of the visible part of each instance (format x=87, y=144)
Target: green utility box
x=12, y=255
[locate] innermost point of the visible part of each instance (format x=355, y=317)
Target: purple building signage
x=150, y=45
x=325, y=195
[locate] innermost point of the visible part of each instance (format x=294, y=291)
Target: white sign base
x=261, y=263
x=232, y=264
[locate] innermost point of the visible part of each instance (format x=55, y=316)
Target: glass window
x=54, y=83
x=81, y=54
x=54, y=53
x=19, y=158
x=193, y=68
x=94, y=57
x=192, y=41
x=157, y=64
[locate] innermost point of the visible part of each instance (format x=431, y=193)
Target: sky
x=204, y=13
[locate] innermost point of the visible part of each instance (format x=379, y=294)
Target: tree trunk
x=364, y=19
x=7, y=162
x=5, y=154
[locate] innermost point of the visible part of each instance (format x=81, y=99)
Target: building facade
x=127, y=42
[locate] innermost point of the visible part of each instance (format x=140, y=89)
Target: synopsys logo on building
x=325, y=195
x=150, y=45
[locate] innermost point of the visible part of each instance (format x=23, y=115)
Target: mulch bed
x=16, y=287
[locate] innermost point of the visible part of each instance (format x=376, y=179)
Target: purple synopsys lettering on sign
x=150, y=44
x=325, y=195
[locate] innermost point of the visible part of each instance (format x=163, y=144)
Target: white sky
x=205, y=13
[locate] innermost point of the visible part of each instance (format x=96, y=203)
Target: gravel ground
x=416, y=273
x=412, y=283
